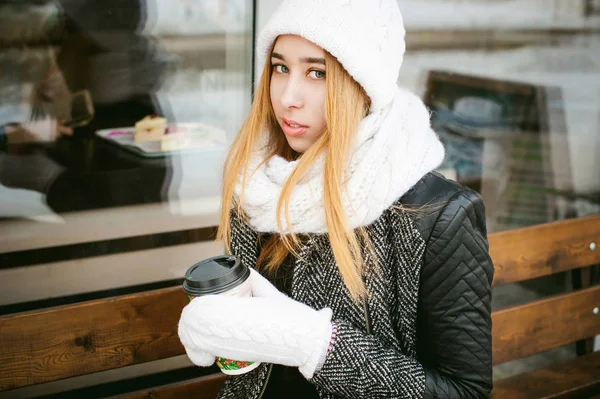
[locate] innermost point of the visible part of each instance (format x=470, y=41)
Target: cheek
x=276, y=89
x=318, y=108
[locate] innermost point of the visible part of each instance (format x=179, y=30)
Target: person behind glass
x=371, y=274
x=41, y=80
x=34, y=102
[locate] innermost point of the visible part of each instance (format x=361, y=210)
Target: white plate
x=202, y=137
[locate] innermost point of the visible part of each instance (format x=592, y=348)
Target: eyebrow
x=306, y=60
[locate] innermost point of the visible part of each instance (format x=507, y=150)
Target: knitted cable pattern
x=366, y=36
x=394, y=149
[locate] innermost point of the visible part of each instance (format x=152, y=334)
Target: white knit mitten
x=269, y=327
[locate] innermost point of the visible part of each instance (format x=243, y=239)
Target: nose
x=292, y=94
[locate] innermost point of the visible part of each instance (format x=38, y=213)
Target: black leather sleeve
x=454, y=316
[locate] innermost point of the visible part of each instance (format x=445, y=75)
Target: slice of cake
x=151, y=128
x=175, y=141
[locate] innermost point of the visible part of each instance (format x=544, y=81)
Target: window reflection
x=78, y=74
x=550, y=52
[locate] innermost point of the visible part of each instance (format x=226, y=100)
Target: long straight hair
x=346, y=104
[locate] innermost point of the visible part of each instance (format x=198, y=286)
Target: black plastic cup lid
x=215, y=275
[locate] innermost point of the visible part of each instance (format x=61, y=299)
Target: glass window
x=514, y=90
x=115, y=118
x=79, y=76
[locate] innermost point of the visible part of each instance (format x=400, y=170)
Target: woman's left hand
x=269, y=327
x=43, y=130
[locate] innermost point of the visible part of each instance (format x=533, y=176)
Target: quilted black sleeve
x=454, y=319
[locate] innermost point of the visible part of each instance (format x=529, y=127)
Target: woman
x=377, y=269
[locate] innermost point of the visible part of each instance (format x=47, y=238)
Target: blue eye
x=280, y=68
x=317, y=74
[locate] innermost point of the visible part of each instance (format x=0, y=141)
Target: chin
x=298, y=145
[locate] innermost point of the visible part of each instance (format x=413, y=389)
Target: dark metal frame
x=592, y=8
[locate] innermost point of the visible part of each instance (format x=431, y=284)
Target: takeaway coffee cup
x=221, y=275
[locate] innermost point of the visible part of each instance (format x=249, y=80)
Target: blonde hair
x=346, y=104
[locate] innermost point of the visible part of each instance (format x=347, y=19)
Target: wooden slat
x=575, y=378
x=88, y=337
x=537, y=251
x=198, y=388
x=523, y=330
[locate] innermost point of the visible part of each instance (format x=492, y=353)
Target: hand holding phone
x=82, y=110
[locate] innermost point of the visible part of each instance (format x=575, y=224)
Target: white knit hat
x=366, y=36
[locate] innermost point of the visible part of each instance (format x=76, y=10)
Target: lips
x=292, y=128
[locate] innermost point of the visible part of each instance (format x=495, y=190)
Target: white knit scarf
x=394, y=149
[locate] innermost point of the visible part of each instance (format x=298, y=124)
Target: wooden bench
x=45, y=345
x=549, y=323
